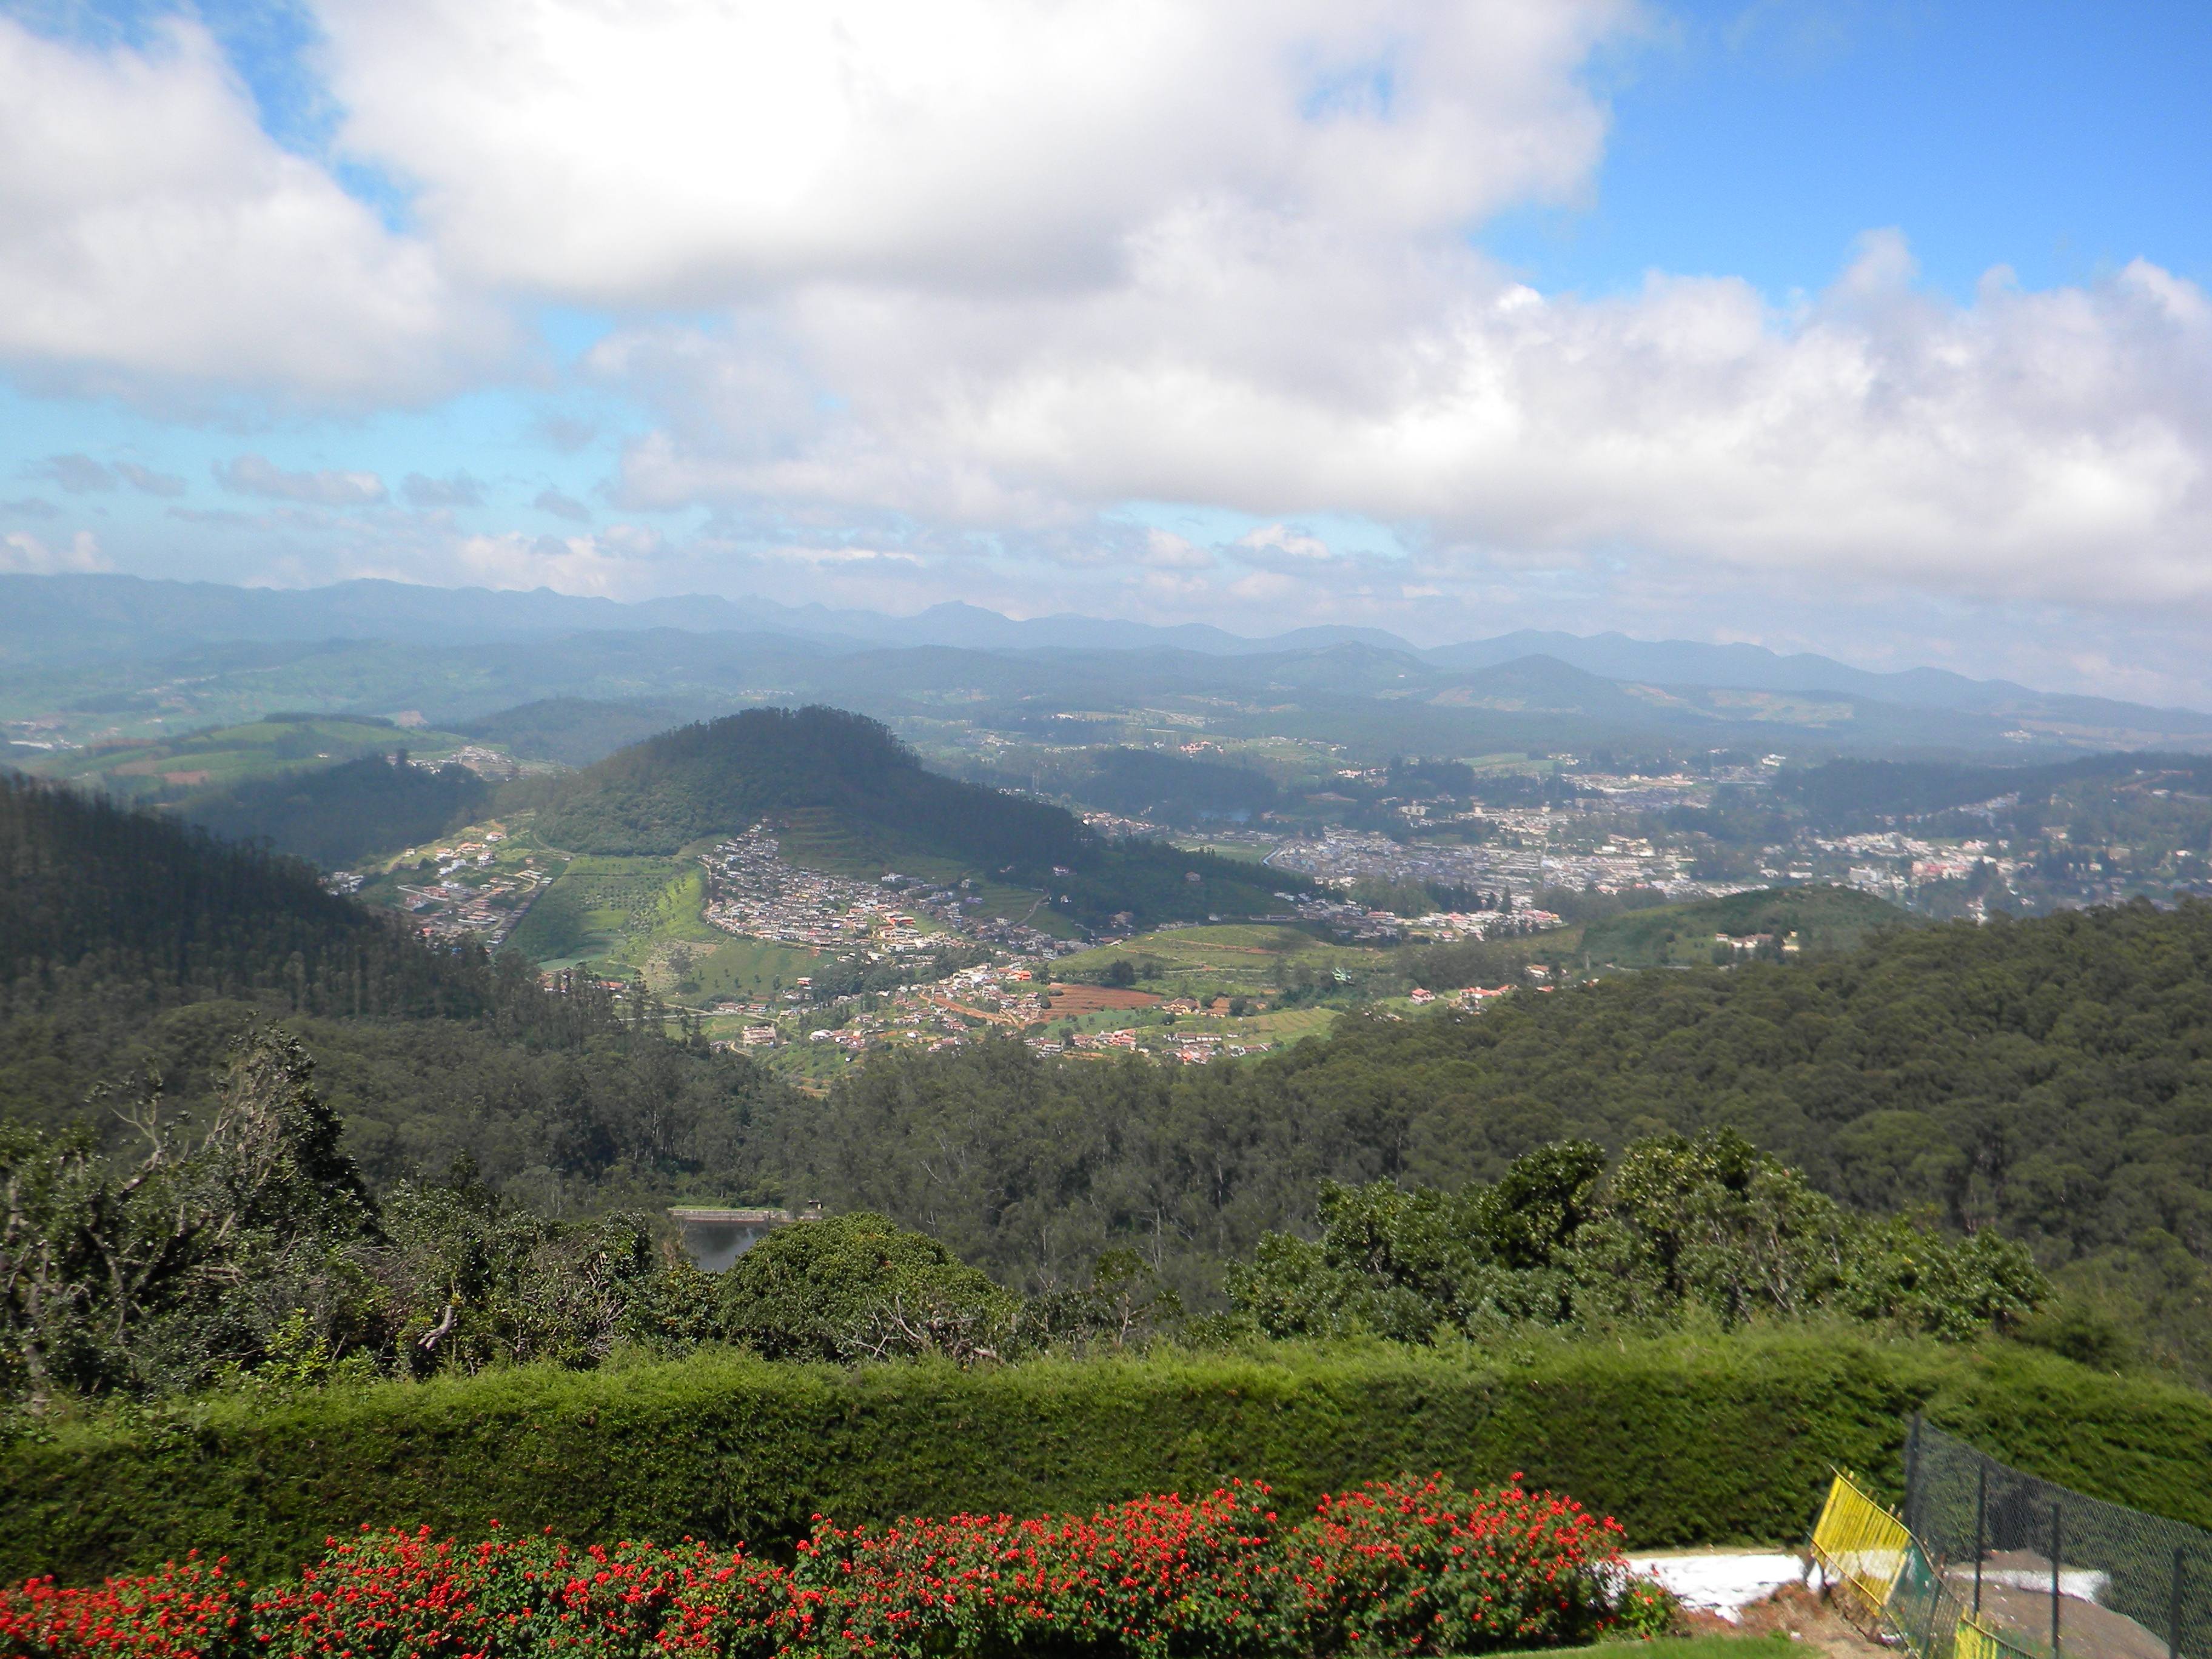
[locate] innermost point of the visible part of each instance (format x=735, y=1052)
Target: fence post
x=2173, y=1615
x=2057, y=1542
x=1912, y=1470
x=1981, y=1529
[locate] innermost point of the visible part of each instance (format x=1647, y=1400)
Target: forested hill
x=90, y=886
x=132, y=949
x=717, y=776
x=2051, y=1077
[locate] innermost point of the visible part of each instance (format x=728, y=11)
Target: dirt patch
x=1098, y=998
x=1799, y=1612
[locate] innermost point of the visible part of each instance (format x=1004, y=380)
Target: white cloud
x=1165, y=550
x=692, y=153
x=23, y=554
x=2043, y=445
x=605, y=563
x=158, y=239
x=253, y=475
x=1280, y=538
x=972, y=276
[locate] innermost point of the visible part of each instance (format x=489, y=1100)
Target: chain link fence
x=2006, y=1563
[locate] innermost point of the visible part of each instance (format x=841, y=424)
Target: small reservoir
x=715, y=1238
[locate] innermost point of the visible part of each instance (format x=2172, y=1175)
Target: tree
x=1676, y=1225
x=154, y=1277
x=859, y=1284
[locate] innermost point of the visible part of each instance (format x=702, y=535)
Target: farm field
x=615, y=907
x=752, y=968
x=1233, y=959
x=226, y=755
x=1073, y=1001
x=1241, y=852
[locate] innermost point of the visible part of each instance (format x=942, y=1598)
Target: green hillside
x=338, y=814
x=1824, y=920
x=132, y=949
x=856, y=801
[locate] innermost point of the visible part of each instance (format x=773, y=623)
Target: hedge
x=1686, y=1441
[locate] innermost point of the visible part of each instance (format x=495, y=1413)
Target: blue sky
x=2062, y=139
x=1674, y=318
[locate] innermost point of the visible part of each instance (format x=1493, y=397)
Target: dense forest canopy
x=248, y=1246
x=89, y=887
x=131, y=948
x=336, y=815
x=2049, y=1079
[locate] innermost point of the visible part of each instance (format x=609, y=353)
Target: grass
x=602, y=907
x=1234, y=958
x=1241, y=852
x=749, y=968
x=1682, y=1647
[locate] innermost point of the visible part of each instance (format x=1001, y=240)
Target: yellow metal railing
x=1859, y=1541
x=1977, y=1640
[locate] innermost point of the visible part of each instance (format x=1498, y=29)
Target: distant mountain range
x=460, y=654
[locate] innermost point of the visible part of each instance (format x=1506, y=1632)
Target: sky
x=1873, y=327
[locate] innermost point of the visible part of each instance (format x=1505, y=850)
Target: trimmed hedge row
x=1686, y=1441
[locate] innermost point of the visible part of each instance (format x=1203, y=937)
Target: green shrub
x=1686, y=1441
x=855, y=1284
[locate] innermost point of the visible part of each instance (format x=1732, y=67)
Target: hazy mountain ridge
x=52, y=618
x=461, y=656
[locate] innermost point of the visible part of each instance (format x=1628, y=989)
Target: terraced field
x=615, y=907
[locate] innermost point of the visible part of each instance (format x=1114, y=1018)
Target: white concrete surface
x=2082, y=1584
x=1721, y=1582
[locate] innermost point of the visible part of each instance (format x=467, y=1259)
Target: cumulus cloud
x=253, y=475
x=1281, y=539
x=458, y=491
x=2046, y=445
x=148, y=482
x=158, y=238
x=690, y=153
x=23, y=554
x=956, y=281
x=598, y=564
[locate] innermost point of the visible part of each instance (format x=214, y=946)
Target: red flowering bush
x=1157, y=1576
x=1392, y=1568
x=1395, y=1569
